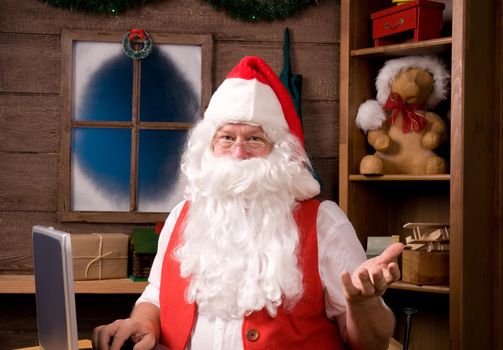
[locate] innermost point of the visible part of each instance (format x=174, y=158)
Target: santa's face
x=241, y=141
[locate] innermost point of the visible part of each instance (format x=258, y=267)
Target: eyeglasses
x=251, y=144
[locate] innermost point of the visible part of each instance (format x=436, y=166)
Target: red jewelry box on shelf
x=392, y=25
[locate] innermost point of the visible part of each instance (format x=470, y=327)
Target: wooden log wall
x=31, y=111
x=31, y=101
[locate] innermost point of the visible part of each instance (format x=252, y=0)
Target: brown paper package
x=99, y=256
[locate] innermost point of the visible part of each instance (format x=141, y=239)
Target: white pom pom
x=370, y=115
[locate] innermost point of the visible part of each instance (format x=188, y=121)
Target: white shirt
x=338, y=250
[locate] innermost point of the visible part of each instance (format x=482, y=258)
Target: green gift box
x=143, y=250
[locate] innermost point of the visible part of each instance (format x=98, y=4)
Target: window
x=125, y=123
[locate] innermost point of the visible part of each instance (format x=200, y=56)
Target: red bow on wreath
x=137, y=32
x=410, y=118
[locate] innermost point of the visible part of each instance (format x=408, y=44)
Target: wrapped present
x=99, y=256
x=143, y=249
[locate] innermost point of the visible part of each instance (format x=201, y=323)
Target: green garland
x=260, y=10
x=243, y=10
x=111, y=7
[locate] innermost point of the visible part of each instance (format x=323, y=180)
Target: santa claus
x=249, y=260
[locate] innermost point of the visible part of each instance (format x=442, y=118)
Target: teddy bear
x=399, y=124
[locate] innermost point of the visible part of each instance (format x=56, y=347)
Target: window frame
x=68, y=38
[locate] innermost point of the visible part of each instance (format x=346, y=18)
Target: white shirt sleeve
x=339, y=250
x=151, y=292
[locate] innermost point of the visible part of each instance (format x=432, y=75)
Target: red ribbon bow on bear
x=410, y=118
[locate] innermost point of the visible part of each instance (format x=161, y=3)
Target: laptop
x=55, y=296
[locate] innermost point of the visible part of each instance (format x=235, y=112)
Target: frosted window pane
x=159, y=162
x=100, y=169
x=171, y=84
x=103, y=82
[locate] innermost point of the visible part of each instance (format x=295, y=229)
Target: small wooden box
x=422, y=17
x=422, y=267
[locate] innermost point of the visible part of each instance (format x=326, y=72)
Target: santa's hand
x=372, y=278
x=121, y=332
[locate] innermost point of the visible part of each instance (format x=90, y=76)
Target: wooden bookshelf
x=466, y=314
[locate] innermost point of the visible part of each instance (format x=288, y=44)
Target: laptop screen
x=55, y=298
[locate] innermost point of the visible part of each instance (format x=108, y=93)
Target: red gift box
x=421, y=18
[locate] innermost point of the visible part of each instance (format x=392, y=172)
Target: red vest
x=304, y=327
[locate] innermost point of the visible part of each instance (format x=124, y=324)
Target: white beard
x=240, y=242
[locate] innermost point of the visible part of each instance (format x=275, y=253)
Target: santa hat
x=253, y=93
x=371, y=115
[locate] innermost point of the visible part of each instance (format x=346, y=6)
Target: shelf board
x=433, y=46
x=440, y=289
x=25, y=284
x=441, y=177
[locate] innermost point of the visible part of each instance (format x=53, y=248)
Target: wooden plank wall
x=31, y=104
x=30, y=100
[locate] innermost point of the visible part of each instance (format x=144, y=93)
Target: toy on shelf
x=425, y=259
x=399, y=123
x=421, y=18
x=437, y=240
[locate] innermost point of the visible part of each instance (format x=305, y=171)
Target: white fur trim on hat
x=247, y=101
x=370, y=115
x=430, y=63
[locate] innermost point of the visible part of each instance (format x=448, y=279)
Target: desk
x=25, y=284
x=83, y=344
x=394, y=345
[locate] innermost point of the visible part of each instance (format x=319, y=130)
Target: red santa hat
x=371, y=115
x=253, y=93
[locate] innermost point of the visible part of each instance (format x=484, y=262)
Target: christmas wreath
x=128, y=49
x=259, y=10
